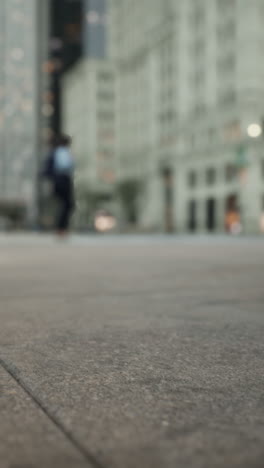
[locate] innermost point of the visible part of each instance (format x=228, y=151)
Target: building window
x=192, y=210
x=198, y=48
x=199, y=109
x=105, y=95
x=105, y=76
x=226, y=4
x=105, y=115
x=210, y=176
x=197, y=18
x=262, y=214
x=227, y=64
x=227, y=97
x=226, y=7
x=262, y=172
x=198, y=78
x=192, y=141
x=230, y=173
x=226, y=32
x=232, y=131
x=211, y=135
x=192, y=179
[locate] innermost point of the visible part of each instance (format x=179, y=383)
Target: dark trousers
x=63, y=188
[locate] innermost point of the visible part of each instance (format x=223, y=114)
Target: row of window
x=210, y=176
x=231, y=172
x=225, y=10
x=225, y=97
x=225, y=68
x=225, y=35
x=205, y=214
x=231, y=132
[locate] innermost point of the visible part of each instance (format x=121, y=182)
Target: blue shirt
x=63, y=161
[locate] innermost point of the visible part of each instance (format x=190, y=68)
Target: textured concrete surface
x=132, y=353
x=28, y=438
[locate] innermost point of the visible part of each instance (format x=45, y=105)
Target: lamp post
x=254, y=132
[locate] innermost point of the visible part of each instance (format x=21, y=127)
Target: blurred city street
x=131, y=234
x=131, y=352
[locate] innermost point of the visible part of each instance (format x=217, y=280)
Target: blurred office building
x=23, y=47
x=65, y=49
x=190, y=100
x=89, y=116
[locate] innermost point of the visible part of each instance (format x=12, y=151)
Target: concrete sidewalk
x=131, y=354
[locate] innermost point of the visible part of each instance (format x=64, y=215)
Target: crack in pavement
x=87, y=455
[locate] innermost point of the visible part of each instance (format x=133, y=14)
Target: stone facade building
x=190, y=95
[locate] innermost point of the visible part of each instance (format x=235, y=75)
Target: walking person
x=48, y=166
x=47, y=186
x=63, y=169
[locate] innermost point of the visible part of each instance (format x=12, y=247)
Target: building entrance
x=192, y=216
x=232, y=215
x=167, y=175
x=211, y=214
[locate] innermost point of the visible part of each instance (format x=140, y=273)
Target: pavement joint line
x=128, y=295
x=87, y=455
x=45, y=298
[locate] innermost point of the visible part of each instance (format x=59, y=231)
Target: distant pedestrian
x=63, y=169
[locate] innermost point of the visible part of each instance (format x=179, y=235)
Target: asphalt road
x=132, y=352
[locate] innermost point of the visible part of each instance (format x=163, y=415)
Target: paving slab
x=28, y=438
x=151, y=354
